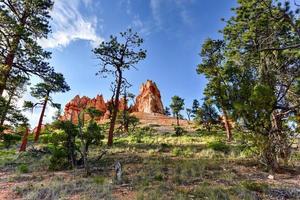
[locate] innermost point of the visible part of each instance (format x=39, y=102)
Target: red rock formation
x=78, y=103
x=149, y=99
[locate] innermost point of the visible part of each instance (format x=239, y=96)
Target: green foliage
x=23, y=168
x=125, y=119
x=179, y=131
x=167, y=111
x=219, y=146
x=195, y=107
x=10, y=139
x=177, y=105
x=93, y=134
x=207, y=116
x=24, y=23
x=124, y=53
x=100, y=180
x=58, y=160
x=116, y=56
x=9, y=111
x=254, y=186
x=244, y=77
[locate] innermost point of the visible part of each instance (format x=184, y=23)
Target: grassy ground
x=155, y=166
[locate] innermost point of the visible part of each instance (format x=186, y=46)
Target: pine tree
x=177, y=105
x=262, y=67
x=214, y=68
x=116, y=57
x=42, y=91
x=22, y=23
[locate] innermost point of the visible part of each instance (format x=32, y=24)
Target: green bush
x=23, y=168
x=177, y=151
x=219, y=146
x=59, y=160
x=179, y=131
x=253, y=186
x=10, y=139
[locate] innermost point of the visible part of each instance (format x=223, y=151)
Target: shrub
x=177, y=151
x=253, y=186
x=10, y=139
x=59, y=160
x=23, y=168
x=179, y=131
x=219, y=146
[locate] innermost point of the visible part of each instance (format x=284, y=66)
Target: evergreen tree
x=22, y=23
x=188, y=113
x=9, y=111
x=261, y=70
x=116, y=57
x=207, y=115
x=42, y=91
x=195, y=106
x=167, y=111
x=177, y=105
x=215, y=70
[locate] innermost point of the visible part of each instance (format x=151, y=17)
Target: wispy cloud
x=160, y=8
x=69, y=24
x=126, y=4
x=140, y=26
x=155, y=9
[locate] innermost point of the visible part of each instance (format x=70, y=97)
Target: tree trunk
x=24, y=140
x=227, y=126
x=9, y=60
x=125, y=117
x=114, y=110
x=83, y=145
x=270, y=157
x=177, y=119
x=39, y=127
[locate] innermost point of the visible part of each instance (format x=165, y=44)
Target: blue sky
x=173, y=30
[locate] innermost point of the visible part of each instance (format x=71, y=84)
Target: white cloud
x=69, y=24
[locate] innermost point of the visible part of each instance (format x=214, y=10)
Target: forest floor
x=155, y=166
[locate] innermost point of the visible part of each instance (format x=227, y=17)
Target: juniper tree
x=116, y=56
x=22, y=23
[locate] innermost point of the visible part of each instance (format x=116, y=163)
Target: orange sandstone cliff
x=148, y=101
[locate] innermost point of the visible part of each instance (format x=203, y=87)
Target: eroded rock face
x=149, y=99
x=77, y=104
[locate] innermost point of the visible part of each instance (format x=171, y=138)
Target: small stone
x=271, y=177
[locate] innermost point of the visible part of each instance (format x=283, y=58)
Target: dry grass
x=158, y=166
